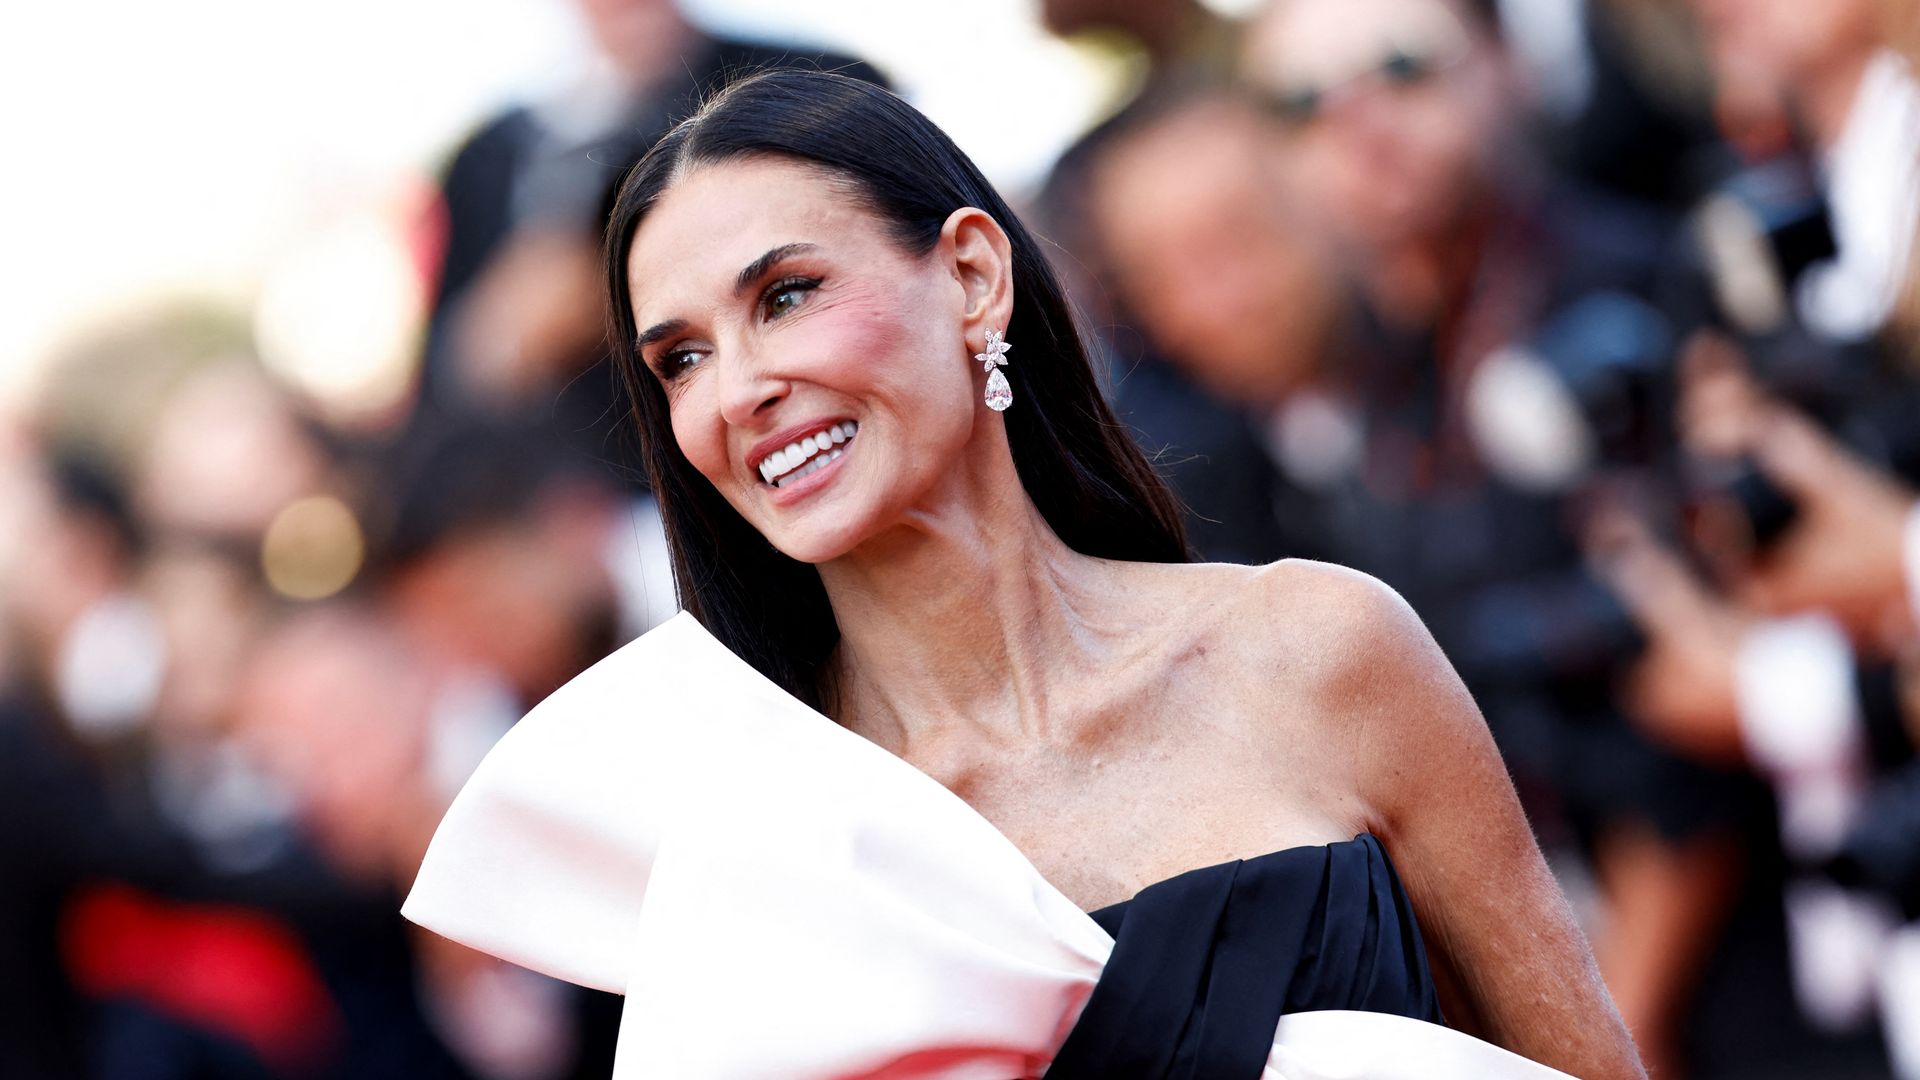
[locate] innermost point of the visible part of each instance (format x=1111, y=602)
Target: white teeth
x=806, y=456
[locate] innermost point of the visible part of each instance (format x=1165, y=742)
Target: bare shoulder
x=1309, y=625
x=1324, y=657
x=1346, y=665
x=1352, y=655
x=1290, y=589
x=1327, y=599
x=1335, y=629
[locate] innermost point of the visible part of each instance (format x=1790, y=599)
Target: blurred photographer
x=1524, y=362
x=1223, y=274
x=1784, y=641
x=1803, y=664
x=1829, y=67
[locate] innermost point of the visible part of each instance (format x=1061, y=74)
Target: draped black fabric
x=1204, y=964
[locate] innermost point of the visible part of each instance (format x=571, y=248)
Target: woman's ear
x=982, y=262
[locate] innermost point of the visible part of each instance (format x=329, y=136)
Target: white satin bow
x=778, y=897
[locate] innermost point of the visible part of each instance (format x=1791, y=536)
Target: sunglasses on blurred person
x=1405, y=62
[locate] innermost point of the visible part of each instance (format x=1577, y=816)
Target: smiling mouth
x=807, y=456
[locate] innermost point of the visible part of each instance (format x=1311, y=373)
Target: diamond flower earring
x=999, y=394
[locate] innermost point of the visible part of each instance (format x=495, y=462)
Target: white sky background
x=156, y=149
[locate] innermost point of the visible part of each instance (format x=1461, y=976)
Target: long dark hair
x=1077, y=463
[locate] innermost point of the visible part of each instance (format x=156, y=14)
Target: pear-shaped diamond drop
x=999, y=394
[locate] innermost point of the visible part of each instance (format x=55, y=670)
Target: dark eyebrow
x=754, y=271
x=758, y=268
x=658, y=331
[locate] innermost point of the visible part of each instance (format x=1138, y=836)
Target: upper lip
x=764, y=449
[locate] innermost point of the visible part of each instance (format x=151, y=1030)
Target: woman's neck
x=964, y=622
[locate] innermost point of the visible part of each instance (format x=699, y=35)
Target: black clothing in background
x=69, y=821
x=1238, y=505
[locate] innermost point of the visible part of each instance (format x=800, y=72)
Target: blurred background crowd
x=1591, y=326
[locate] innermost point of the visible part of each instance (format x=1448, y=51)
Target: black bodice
x=1204, y=964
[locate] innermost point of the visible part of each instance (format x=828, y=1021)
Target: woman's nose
x=748, y=389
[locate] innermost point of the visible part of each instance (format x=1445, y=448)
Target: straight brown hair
x=1076, y=461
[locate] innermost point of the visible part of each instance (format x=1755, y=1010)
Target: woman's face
x=817, y=375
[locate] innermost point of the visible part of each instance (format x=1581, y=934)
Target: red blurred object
x=230, y=970
x=428, y=232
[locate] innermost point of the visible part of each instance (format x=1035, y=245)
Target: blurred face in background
x=642, y=37
x=336, y=708
x=227, y=454
x=1209, y=253
x=1784, y=44
x=1392, y=109
x=210, y=610
x=528, y=599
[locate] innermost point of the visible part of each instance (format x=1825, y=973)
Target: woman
x=820, y=309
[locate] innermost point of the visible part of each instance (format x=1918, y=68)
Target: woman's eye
x=786, y=295
x=678, y=362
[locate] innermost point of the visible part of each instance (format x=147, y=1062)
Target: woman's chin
x=816, y=545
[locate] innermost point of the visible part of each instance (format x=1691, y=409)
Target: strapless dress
x=1204, y=964
x=780, y=899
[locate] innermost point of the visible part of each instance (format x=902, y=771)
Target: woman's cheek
x=701, y=436
x=855, y=330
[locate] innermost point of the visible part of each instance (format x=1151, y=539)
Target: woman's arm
x=1437, y=794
